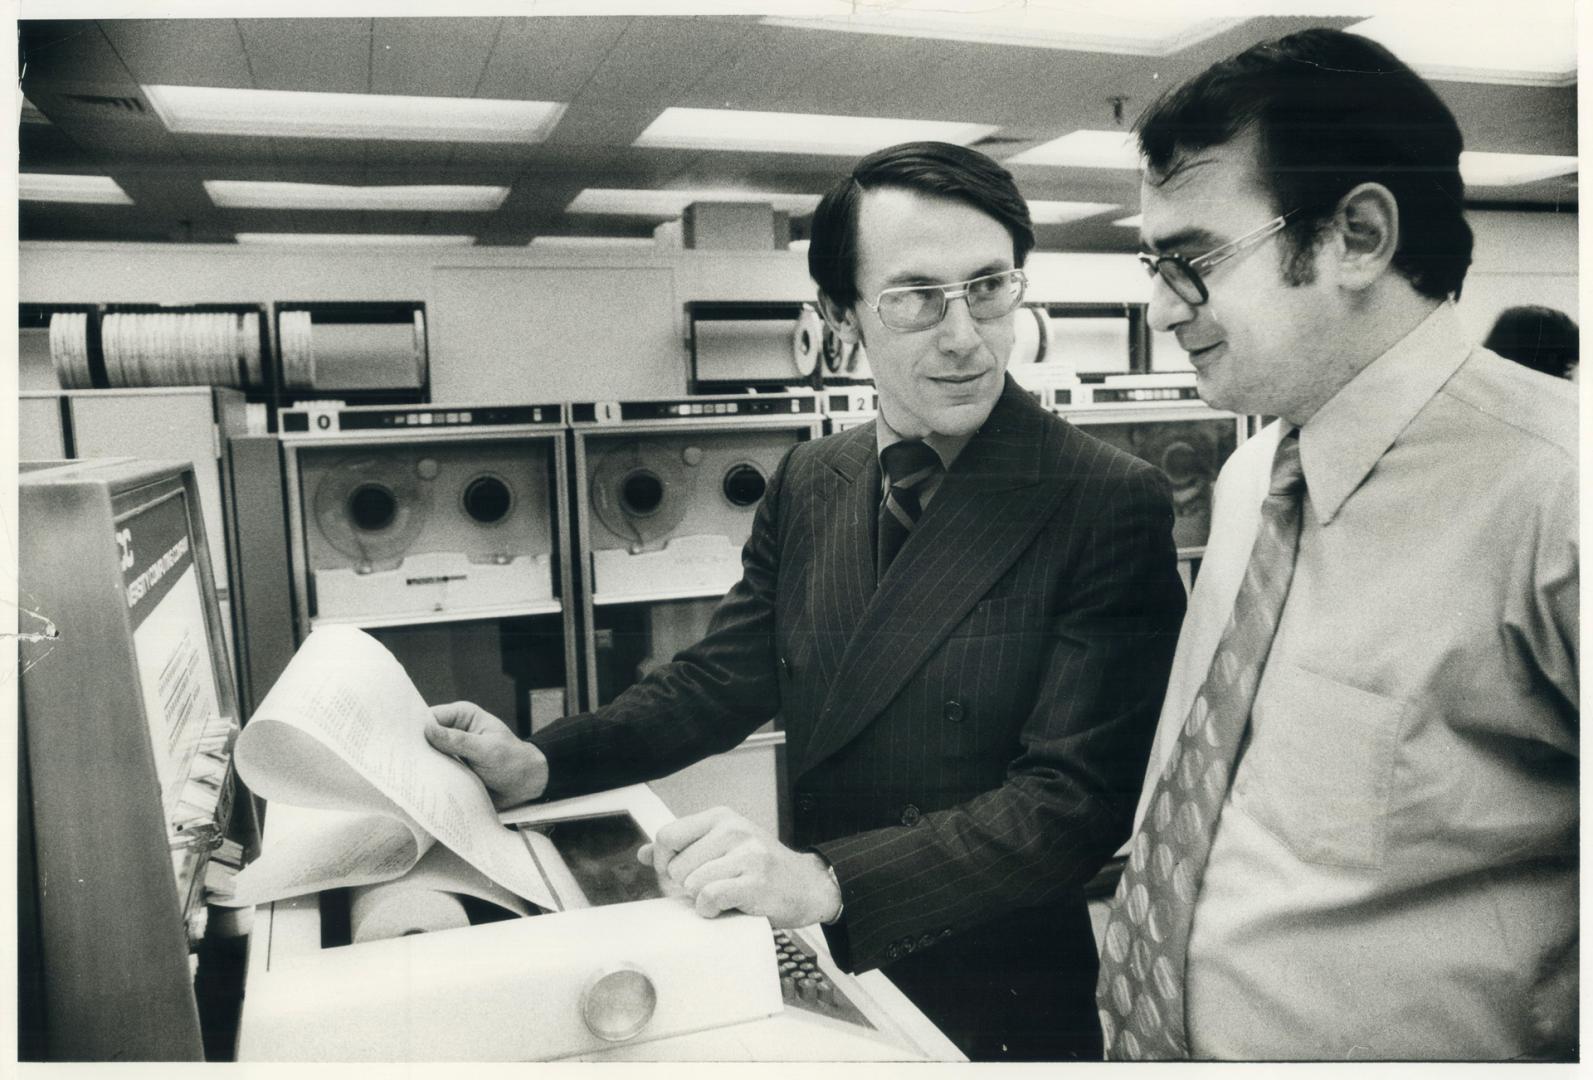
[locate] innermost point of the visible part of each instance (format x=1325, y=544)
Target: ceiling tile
x=332, y=55
x=181, y=52
x=432, y=57
x=547, y=59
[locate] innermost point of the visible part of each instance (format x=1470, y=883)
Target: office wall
x=507, y=325
x=1520, y=258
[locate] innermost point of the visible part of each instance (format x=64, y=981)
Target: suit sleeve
x=1113, y=613
x=704, y=701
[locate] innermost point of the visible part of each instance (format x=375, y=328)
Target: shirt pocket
x=1319, y=767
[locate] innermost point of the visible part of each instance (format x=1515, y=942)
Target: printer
x=623, y=971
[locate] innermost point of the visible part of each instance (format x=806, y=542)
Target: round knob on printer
x=618, y=1002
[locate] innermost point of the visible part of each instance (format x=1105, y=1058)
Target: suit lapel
x=984, y=516
x=843, y=572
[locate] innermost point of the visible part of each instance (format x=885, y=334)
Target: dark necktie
x=1142, y=988
x=907, y=466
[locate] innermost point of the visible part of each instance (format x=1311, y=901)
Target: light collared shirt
x=946, y=447
x=1394, y=873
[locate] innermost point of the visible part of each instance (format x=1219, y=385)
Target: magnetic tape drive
x=409, y=510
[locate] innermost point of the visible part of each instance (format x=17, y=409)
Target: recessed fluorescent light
x=796, y=133
x=670, y=203
x=1050, y=212
x=275, y=195
x=1084, y=150
x=1479, y=169
x=592, y=242
x=215, y=110
x=66, y=187
x=1048, y=26
x=1131, y=222
x=1522, y=43
x=341, y=239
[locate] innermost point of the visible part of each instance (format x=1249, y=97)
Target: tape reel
x=1031, y=339
x=372, y=507
x=641, y=491
x=837, y=351
x=1191, y=453
x=808, y=341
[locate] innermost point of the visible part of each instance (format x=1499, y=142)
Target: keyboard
x=804, y=985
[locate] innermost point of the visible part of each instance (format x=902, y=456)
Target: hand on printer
x=726, y=863
x=514, y=771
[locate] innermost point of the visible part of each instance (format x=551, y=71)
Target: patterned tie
x=908, y=465
x=1141, y=992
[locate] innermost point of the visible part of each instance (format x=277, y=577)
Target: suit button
x=893, y=951
x=911, y=815
x=785, y=667
x=946, y=933
x=953, y=711
x=804, y=803
x=908, y=945
x=926, y=941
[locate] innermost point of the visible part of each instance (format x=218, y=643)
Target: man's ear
x=1368, y=223
x=842, y=320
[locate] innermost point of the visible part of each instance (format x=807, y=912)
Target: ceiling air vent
x=122, y=104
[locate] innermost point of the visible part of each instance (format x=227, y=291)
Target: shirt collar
x=1341, y=443
x=946, y=447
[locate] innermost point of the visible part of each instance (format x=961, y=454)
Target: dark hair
x=944, y=170
x=1540, y=338
x=1331, y=110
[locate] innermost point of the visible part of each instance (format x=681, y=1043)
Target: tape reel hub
x=487, y=499
x=372, y=507
x=641, y=493
x=744, y=484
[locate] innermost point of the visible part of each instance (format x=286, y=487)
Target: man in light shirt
x=1358, y=836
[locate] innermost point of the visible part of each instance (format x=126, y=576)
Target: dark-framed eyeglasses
x=919, y=307
x=1186, y=277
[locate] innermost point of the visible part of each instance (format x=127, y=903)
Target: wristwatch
x=839, y=911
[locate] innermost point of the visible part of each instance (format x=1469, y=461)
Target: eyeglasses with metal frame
x=1186, y=276
x=919, y=307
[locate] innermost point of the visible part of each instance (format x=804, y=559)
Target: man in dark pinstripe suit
x=966, y=729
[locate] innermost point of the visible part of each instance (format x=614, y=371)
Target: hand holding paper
x=343, y=730
x=515, y=772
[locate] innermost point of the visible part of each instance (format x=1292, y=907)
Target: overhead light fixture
x=1084, y=149
x=1034, y=25
x=299, y=114
x=667, y=204
x=1481, y=169
x=1523, y=43
x=277, y=195
x=354, y=239
x=592, y=242
x=1052, y=212
x=797, y=133
x=69, y=187
x=1133, y=222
